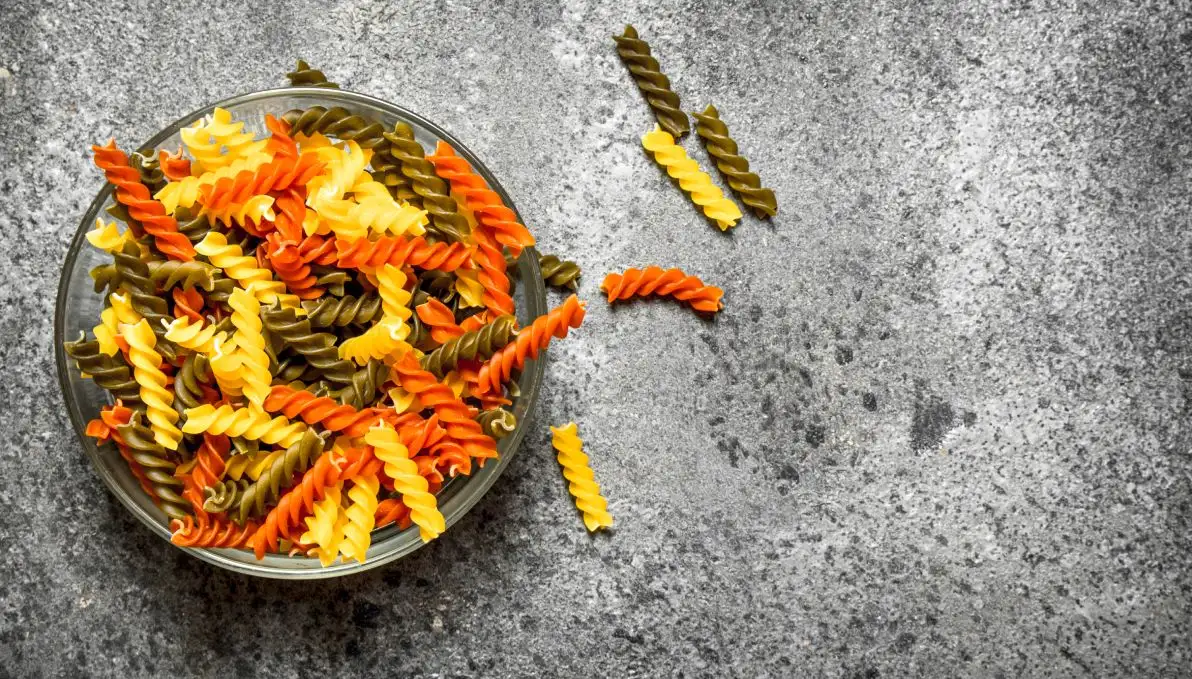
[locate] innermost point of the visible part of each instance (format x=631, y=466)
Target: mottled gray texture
x=940, y=428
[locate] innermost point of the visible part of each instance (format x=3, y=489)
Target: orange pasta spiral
x=439, y=318
x=280, y=174
x=530, y=340
x=452, y=458
x=188, y=303
x=321, y=410
x=455, y=415
x=289, y=212
x=392, y=510
x=296, y=503
x=173, y=165
x=399, y=251
x=492, y=276
x=491, y=212
x=285, y=258
x=134, y=195
x=207, y=532
x=209, y=460
x=654, y=280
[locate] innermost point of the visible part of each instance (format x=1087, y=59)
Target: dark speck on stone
x=931, y=419
x=869, y=401
x=844, y=355
x=814, y=435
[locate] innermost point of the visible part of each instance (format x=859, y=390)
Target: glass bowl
x=78, y=310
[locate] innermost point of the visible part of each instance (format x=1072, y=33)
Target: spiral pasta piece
x=445, y=219
x=173, y=273
x=424, y=511
x=244, y=271
x=732, y=165
x=488, y=207
x=246, y=317
x=497, y=423
x=439, y=319
x=108, y=237
x=279, y=174
x=654, y=280
x=325, y=527
x=174, y=166
x=107, y=333
x=469, y=288
x=147, y=372
x=223, y=496
x=381, y=341
x=530, y=340
x=392, y=510
x=361, y=515
x=153, y=459
x=211, y=533
x=133, y=274
x=334, y=122
x=691, y=179
x=580, y=477
x=395, y=299
x=317, y=347
x=305, y=76
x=321, y=410
x=400, y=251
x=195, y=336
x=376, y=214
x=454, y=413
x=246, y=422
x=559, y=273
x=654, y=85
x=476, y=345
x=339, y=312
x=217, y=141
x=209, y=460
x=150, y=213
x=226, y=364
x=287, y=262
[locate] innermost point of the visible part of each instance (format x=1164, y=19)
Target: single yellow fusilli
x=325, y=527
x=146, y=371
x=109, y=237
x=469, y=287
x=691, y=179
x=250, y=342
x=121, y=312
x=218, y=141
x=361, y=515
x=395, y=299
x=244, y=270
x=195, y=336
x=424, y=510
x=249, y=423
x=385, y=339
x=581, y=478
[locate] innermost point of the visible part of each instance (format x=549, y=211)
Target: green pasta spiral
x=497, y=423
x=221, y=290
x=171, y=273
x=476, y=345
x=559, y=273
x=387, y=170
x=149, y=169
x=280, y=475
x=318, y=347
x=224, y=495
x=445, y=219
x=337, y=122
x=305, y=76
x=288, y=369
x=193, y=224
x=635, y=53
x=106, y=278
x=439, y=284
x=331, y=279
x=109, y=372
x=244, y=446
x=735, y=168
x=326, y=312
x=133, y=273
x=188, y=390
x=159, y=469
x=362, y=389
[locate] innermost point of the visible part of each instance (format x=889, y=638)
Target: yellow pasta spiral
x=195, y=336
x=691, y=179
x=249, y=423
x=469, y=287
x=385, y=339
x=158, y=400
x=244, y=270
x=342, y=167
x=579, y=475
x=250, y=465
x=109, y=237
x=185, y=192
x=361, y=515
x=391, y=286
x=225, y=365
x=325, y=527
x=404, y=401
x=255, y=209
x=218, y=141
x=246, y=318
x=110, y=320
x=424, y=510
x=380, y=215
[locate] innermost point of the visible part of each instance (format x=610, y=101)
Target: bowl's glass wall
x=79, y=307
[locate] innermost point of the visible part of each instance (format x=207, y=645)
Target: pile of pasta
x=307, y=333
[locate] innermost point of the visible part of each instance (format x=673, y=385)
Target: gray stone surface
x=941, y=428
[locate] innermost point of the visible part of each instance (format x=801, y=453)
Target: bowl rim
x=457, y=504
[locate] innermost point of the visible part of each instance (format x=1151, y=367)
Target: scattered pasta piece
x=580, y=477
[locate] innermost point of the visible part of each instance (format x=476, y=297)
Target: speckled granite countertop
x=941, y=428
